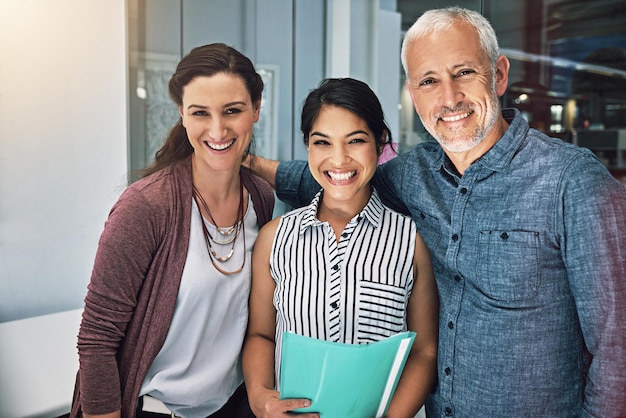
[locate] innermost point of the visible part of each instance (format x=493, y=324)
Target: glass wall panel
x=568, y=69
x=570, y=72
x=154, y=49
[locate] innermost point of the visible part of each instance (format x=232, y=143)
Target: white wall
x=63, y=156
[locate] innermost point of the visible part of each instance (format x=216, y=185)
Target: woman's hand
x=269, y=405
x=259, y=347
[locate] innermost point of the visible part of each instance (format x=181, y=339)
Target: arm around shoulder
x=263, y=167
x=292, y=180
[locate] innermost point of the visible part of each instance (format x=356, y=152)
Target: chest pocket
x=382, y=310
x=508, y=268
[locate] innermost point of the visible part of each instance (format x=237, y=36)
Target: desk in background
x=38, y=365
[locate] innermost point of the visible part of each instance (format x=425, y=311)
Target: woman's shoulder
x=262, y=195
x=286, y=222
x=156, y=193
x=397, y=219
x=157, y=187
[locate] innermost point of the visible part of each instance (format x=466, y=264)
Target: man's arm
x=594, y=248
x=388, y=181
x=292, y=180
x=263, y=167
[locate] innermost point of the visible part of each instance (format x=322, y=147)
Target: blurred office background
x=83, y=99
x=568, y=73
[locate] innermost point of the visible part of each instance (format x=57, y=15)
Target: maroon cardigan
x=134, y=285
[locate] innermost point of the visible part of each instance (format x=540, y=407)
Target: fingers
x=284, y=407
x=291, y=404
x=267, y=404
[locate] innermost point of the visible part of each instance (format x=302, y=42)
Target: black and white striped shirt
x=353, y=291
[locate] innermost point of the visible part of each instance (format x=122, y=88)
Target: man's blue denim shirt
x=529, y=252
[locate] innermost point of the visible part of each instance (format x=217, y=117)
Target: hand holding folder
x=343, y=380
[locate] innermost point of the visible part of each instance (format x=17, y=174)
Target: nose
x=339, y=155
x=217, y=128
x=450, y=93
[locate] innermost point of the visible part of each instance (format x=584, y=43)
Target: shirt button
x=455, y=237
x=450, y=325
x=447, y=371
x=448, y=411
x=336, y=267
x=457, y=278
x=422, y=215
x=334, y=305
x=463, y=190
x=344, y=235
x=504, y=236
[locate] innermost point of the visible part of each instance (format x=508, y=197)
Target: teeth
x=455, y=118
x=341, y=176
x=220, y=147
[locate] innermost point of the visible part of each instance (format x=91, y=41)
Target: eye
x=232, y=111
x=358, y=141
x=427, y=82
x=465, y=72
x=320, y=142
x=200, y=113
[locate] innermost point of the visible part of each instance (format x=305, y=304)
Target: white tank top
x=199, y=365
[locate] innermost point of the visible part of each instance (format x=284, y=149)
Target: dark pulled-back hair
x=206, y=60
x=352, y=95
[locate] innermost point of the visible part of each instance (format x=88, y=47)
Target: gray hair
x=437, y=20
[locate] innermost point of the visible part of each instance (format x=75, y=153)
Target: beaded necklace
x=231, y=232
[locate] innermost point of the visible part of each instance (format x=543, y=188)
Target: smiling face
x=454, y=90
x=342, y=157
x=219, y=117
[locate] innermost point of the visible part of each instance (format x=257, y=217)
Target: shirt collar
x=501, y=154
x=372, y=212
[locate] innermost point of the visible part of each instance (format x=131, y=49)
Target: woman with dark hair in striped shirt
x=345, y=268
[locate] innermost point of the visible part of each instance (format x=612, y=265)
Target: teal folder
x=343, y=380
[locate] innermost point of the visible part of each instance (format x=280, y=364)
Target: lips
x=341, y=176
x=455, y=118
x=220, y=146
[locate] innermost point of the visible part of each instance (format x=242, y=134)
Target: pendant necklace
x=231, y=232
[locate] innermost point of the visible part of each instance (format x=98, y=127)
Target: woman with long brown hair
x=166, y=309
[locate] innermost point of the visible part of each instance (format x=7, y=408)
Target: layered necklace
x=228, y=235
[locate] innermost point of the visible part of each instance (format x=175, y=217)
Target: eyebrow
x=357, y=132
x=454, y=67
x=225, y=106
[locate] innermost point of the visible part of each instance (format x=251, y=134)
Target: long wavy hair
x=206, y=60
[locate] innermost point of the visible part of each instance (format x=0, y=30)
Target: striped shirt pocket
x=382, y=310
